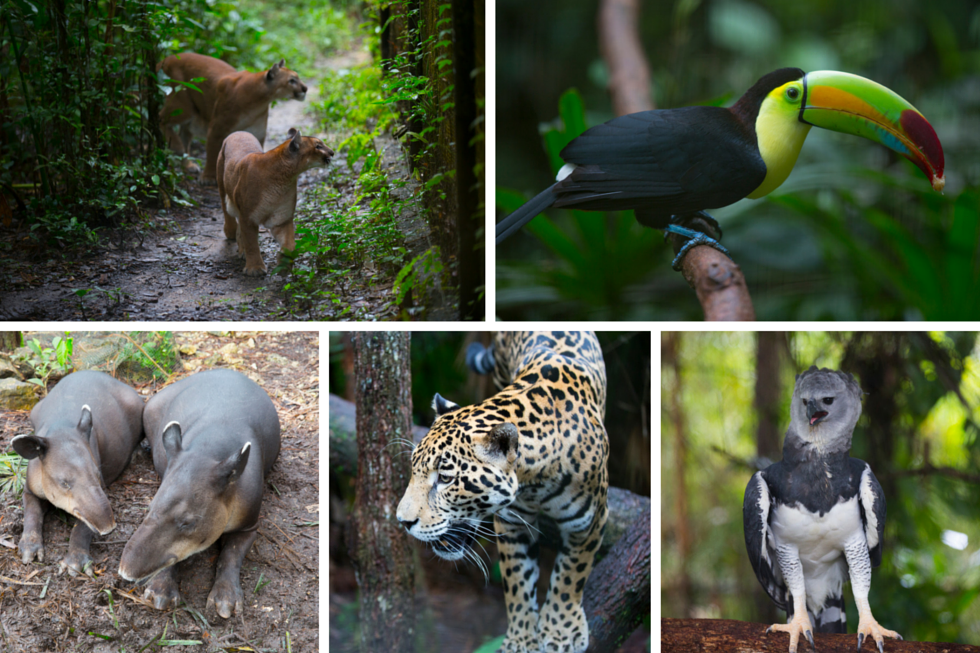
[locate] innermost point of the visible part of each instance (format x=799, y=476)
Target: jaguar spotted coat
x=538, y=446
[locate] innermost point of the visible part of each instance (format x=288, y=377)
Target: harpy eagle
x=818, y=515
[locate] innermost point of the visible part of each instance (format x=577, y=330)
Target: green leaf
x=491, y=646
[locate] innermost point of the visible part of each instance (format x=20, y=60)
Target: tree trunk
x=617, y=596
x=469, y=218
x=10, y=340
x=768, y=393
x=682, y=527
x=382, y=555
x=683, y=635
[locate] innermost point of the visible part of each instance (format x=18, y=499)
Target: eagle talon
x=809, y=637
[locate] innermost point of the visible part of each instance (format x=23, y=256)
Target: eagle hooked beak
x=814, y=413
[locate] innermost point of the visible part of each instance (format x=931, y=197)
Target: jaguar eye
x=445, y=479
x=828, y=400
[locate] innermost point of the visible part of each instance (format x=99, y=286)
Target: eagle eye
x=828, y=400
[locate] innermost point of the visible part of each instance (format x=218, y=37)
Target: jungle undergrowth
x=353, y=238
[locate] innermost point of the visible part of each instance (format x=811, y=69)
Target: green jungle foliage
x=80, y=91
x=854, y=233
x=918, y=431
x=348, y=233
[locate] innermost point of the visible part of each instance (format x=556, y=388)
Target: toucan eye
x=793, y=93
x=828, y=400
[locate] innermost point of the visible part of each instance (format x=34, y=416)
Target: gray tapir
x=214, y=436
x=85, y=432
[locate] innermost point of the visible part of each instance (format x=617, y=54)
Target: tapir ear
x=499, y=444
x=85, y=421
x=171, y=439
x=442, y=405
x=233, y=468
x=297, y=139
x=30, y=446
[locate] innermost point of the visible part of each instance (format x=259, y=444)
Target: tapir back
x=219, y=411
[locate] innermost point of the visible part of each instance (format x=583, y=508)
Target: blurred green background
x=725, y=399
x=856, y=232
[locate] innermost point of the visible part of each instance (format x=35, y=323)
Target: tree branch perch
x=684, y=635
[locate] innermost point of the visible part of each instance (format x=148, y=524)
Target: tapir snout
x=91, y=505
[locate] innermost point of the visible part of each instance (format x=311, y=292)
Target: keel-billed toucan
x=671, y=165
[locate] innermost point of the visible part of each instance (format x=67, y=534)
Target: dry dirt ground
x=182, y=268
x=41, y=610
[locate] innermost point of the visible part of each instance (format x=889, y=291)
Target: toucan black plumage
x=670, y=165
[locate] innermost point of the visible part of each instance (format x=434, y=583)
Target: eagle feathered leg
x=859, y=564
x=788, y=557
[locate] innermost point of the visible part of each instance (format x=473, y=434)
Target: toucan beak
x=854, y=105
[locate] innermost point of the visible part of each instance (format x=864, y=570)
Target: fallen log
x=684, y=635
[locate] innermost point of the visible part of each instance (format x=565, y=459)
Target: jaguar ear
x=442, y=405
x=500, y=443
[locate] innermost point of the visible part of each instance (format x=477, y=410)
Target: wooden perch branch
x=619, y=42
x=716, y=279
x=683, y=635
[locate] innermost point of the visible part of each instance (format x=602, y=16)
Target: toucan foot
x=694, y=238
x=685, y=219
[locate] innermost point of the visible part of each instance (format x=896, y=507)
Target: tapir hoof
x=226, y=598
x=191, y=168
x=77, y=562
x=254, y=272
x=207, y=181
x=162, y=592
x=30, y=547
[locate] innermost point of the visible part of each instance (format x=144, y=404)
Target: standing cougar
x=229, y=101
x=259, y=188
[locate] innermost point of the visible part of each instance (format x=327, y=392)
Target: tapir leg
x=226, y=594
x=162, y=590
x=78, y=551
x=31, y=543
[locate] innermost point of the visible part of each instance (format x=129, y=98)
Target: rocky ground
x=41, y=610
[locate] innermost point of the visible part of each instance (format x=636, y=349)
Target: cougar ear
x=296, y=139
x=271, y=75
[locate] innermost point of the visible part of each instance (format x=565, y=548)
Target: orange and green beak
x=854, y=105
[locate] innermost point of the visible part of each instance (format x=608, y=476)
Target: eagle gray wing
x=871, y=498
x=758, y=543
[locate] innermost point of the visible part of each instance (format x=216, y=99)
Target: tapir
x=214, y=436
x=85, y=432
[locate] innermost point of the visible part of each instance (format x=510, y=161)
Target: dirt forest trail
x=183, y=269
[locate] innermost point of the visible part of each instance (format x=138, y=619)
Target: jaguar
x=536, y=447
